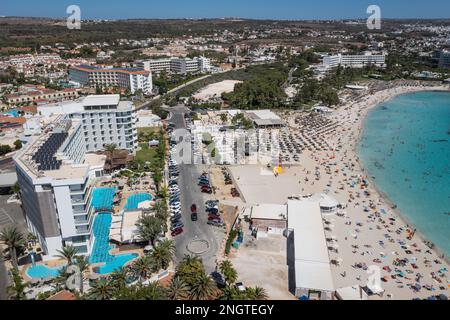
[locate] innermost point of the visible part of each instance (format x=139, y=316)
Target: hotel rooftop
x=43, y=156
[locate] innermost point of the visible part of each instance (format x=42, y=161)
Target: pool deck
x=128, y=191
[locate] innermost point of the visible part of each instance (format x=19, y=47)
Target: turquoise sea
x=405, y=147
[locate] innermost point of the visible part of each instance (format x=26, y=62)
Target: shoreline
x=439, y=252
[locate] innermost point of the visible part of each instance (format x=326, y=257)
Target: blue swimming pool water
x=134, y=200
x=42, y=272
x=102, y=198
x=100, y=250
x=405, y=146
x=12, y=112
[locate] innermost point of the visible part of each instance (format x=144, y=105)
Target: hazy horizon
x=250, y=9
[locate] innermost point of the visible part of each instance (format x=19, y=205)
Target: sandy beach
x=369, y=231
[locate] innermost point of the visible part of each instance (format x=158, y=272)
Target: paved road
x=190, y=194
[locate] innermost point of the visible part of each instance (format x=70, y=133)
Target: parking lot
x=185, y=191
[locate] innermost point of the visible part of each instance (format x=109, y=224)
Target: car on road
x=194, y=208
x=176, y=225
x=177, y=232
x=216, y=223
x=212, y=203
x=212, y=210
x=194, y=216
x=213, y=217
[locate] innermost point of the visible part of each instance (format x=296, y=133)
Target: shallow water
x=405, y=146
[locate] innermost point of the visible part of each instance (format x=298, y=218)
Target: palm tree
x=163, y=253
x=110, y=148
x=177, y=289
x=101, y=290
x=232, y=293
x=119, y=278
x=61, y=280
x=68, y=253
x=189, y=269
x=256, y=293
x=149, y=228
x=228, y=272
x=143, y=268
x=83, y=265
x=31, y=238
x=14, y=239
x=16, y=291
x=203, y=288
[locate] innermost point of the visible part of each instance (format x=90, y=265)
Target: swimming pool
x=134, y=200
x=102, y=198
x=13, y=112
x=100, y=250
x=42, y=272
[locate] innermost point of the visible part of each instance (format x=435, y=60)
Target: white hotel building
x=56, y=172
x=354, y=61
x=129, y=78
x=176, y=65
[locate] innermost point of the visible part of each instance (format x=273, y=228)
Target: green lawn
x=146, y=154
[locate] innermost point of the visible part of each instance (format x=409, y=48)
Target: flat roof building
x=133, y=79
x=311, y=261
x=57, y=169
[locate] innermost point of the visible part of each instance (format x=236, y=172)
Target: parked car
x=212, y=203
x=177, y=232
x=207, y=190
x=177, y=225
x=216, y=223
x=212, y=211
x=213, y=217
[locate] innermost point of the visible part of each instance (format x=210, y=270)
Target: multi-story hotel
x=130, y=78
x=354, y=61
x=57, y=170
x=444, y=59
x=176, y=65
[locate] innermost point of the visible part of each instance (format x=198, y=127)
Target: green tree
x=228, y=272
x=16, y=290
x=149, y=227
x=162, y=254
x=18, y=144
x=68, y=253
x=5, y=149
x=203, y=288
x=189, y=269
x=142, y=268
x=256, y=293
x=83, y=265
x=119, y=278
x=101, y=290
x=177, y=289
x=15, y=240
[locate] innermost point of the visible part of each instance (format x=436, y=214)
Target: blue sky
x=274, y=9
